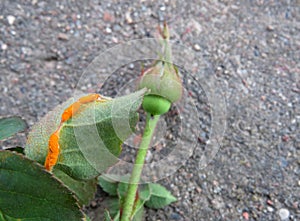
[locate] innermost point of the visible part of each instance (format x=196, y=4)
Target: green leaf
x=10, y=126
x=4, y=217
x=117, y=217
x=113, y=209
x=160, y=197
x=112, y=205
x=108, y=185
x=84, y=189
x=87, y=218
x=143, y=195
x=107, y=216
x=28, y=192
x=122, y=189
x=138, y=211
x=144, y=192
x=91, y=140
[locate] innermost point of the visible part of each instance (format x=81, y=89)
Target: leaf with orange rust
x=91, y=140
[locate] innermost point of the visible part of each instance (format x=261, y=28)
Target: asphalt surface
x=253, y=50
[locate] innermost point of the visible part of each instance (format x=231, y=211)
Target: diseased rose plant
x=55, y=176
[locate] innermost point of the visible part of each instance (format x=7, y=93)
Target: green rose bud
x=162, y=79
x=165, y=88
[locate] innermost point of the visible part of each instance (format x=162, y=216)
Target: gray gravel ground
x=253, y=47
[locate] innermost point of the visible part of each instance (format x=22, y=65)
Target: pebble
x=284, y=214
x=108, y=30
x=285, y=138
x=162, y=8
x=270, y=209
x=128, y=18
x=116, y=27
x=11, y=19
x=269, y=202
x=175, y=216
x=246, y=215
x=93, y=204
x=62, y=36
x=4, y=47
x=270, y=28
x=197, y=47
x=131, y=66
x=114, y=40
x=107, y=17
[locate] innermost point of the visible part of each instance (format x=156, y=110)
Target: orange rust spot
x=70, y=111
x=89, y=98
x=73, y=108
x=53, y=144
x=53, y=151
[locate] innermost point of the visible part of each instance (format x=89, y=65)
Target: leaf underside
x=90, y=141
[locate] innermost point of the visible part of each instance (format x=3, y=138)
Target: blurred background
x=253, y=48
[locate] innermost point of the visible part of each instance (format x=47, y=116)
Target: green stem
x=138, y=167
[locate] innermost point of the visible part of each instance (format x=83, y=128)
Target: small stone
x=128, y=18
x=116, y=27
x=107, y=17
x=246, y=215
x=284, y=214
x=115, y=40
x=108, y=30
x=270, y=28
x=62, y=36
x=4, y=47
x=198, y=189
x=136, y=14
x=93, y=204
x=131, y=66
x=217, y=190
x=197, y=47
x=11, y=19
x=270, y=209
x=264, y=55
x=285, y=138
x=162, y=8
